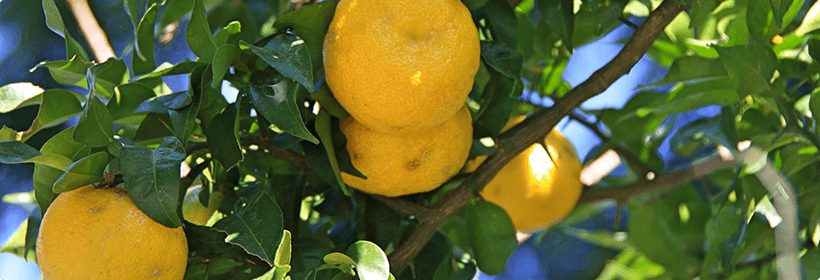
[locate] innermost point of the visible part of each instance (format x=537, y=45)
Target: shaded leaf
x=175, y=11
x=55, y=22
x=83, y=172
x=67, y=72
x=95, y=127
x=474, y=4
x=19, y=95
x=168, y=69
x=44, y=176
x=749, y=67
x=228, y=34
x=198, y=34
x=288, y=54
x=224, y=57
x=502, y=22
x=222, y=135
x=311, y=24
x=58, y=106
x=126, y=99
x=152, y=179
x=502, y=58
x=560, y=18
x=323, y=127
x=492, y=236
x=142, y=60
x=688, y=68
x=257, y=227
x=14, y=152
x=278, y=99
x=328, y=102
x=163, y=103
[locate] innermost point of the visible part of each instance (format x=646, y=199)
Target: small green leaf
x=228, y=34
x=95, y=127
x=288, y=54
x=317, y=157
x=19, y=95
x=687, y=68
x=107, y=76
x=58, y=106
x=222, y=135
x=83, y=172
x=16, y=243
x=311, y=24
x=142, y=60
x=337, y=258
x=257, y=227
x=492, y=236
x=168, y=69
x=780, y=8
x=163, y=103
x=371, y=261
x=32, y=230
x=502, y=58
x=814, y=103
x=278, y=99
x=44, y=175
x=67, y=72
x=14, y=152
x=198, y=34
x=184, y=118
x=60, y=162
x=225, y=56
x=175, y=11
x=651, y=234
x=153, y=129
x=502, y=22
x=7, y=133
x=284, y=251
x=328, y=102
x=152, y=179
x=811, y=21
x=322, y=125
x=55, y=22
x=126, y=99
x=497, y=106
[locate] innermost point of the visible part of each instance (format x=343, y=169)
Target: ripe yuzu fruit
x=405, y=164
x=99, y=233
x=538, y=187
x=401, y=65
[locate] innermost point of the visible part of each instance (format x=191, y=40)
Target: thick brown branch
x=92, y=31
x=534, y=129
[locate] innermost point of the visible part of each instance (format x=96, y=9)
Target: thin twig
x=94, y=35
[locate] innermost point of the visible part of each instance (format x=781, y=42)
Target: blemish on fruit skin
x=96, y=209
x=413, y=164
x=156, y=273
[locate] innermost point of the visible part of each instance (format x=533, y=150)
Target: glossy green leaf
x=688, y=68
x=198, y=34
x=228, y=34
x=496, y=107
x=57, y=161
x=163, y=103
x=58, y=106
x=142, y=60
x=278, y=99
x=337, y=258
x=811, y=21
x=652, y=235
x=283, y=253
x=55, y=22
x=107, y=76
x=87, y=170
x=223, y=140
x=67, y=72
x=14, y=152
x=168, y=69
x=19, y=95
x=371, y=261
x=95, y=127
x=749, y=67
x=7, y=133
x=126, y=99
x=814, y=103
x=152, y=179
x=502, y=22
x=224, y=57
x=311, y=24
x=502, y=58
x=560, y=18
x=44, y=176
x=720, y=229
x=780, y=8
x=184, y=118
x=492, y=236
x=288, y=54
x=328, y=102
x=257, y=227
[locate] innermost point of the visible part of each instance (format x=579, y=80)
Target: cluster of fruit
x=403, y=70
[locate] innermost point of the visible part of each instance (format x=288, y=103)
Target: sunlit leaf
x=152, y=179
x=278, y=99
x=83, y=172
x=18, y=95
x=371, y=261
x=492, y=236
x=257, y=227
x=288, y=54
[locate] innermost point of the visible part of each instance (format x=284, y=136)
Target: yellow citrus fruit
x=405, y=164
x=538, y=187
x=401, y=65
x=99, y=233
x=193, y=211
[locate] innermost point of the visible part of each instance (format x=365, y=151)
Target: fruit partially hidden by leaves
x=401, y=65
x=193, y=210
x=538, y=187
x=405, y=164
x=99, y=233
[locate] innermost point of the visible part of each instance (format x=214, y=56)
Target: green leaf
x=688, y=68
x=336, y=258
x=74, y=72
x=328, y=102
x=560, y=18
x=222, y=135
x=502, y=58
x=759, y=18
x=83, y=172
x=809, y=263
x=437, y=253
x=44, y=175
x=152, y=179
x=14, y=152
x=371, y=261
x=311, y=24
x=198, y=34
x=651, y=234
x=288, y=54
x=107, y=76
x=228, y=34
x=126, y=99
x=749, y=67
x=175, y=11
x=19, y=95
x=163, y=103
x=474, y=4
x=323, y=127
x=52, y=160
x=142, y=60
x=55, y=22
x=779, y=8
x=502, y=22
x=67, y=72
x=492, y=236
x=720, y=229
x=811, y=21
x=7, y=133
x=284, y=251
x=184, y=118
x=814, y=103
x=225, y=56
x=58, y=106
x=317, y=157
x=257, y=227
x=497, y=106
x=16, y=244
x=95, y=127
x=168, y=69
x=278, y=99
x=153, y=129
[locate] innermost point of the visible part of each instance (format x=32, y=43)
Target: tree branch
x=534, y=130
x=94, y=35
